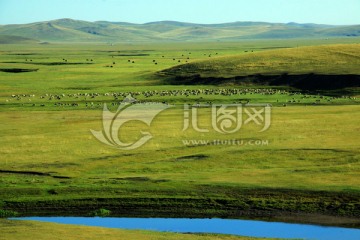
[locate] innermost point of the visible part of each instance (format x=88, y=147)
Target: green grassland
x=305, y=168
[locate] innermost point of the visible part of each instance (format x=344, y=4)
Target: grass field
x=60, y=142
x=304, y=168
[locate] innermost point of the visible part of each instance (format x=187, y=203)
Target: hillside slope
x=8, y=39
x=68, y=30
x=317, y=67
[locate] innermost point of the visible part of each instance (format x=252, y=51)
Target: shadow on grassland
x=309, y=82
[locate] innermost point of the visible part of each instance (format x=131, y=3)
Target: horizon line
x=175, y=21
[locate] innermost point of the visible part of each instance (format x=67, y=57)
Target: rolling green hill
x=69, y=30
x=315, y=67
x=48, y=31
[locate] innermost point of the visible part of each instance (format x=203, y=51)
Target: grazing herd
x=90, y=60
x=156, y=62
x=96, y=100
x=178, y=60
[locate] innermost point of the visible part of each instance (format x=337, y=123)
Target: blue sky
x=339, y=12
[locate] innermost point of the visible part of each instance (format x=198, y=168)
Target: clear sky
x=339, y=12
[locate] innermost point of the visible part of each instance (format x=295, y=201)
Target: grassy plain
x=306, y=163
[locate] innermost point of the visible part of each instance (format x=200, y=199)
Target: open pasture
x=307, y=158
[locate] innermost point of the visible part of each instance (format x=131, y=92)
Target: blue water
x=223, y=226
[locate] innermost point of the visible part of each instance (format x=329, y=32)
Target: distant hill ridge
x=69, y=30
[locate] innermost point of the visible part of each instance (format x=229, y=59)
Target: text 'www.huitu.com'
x=226, y=142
